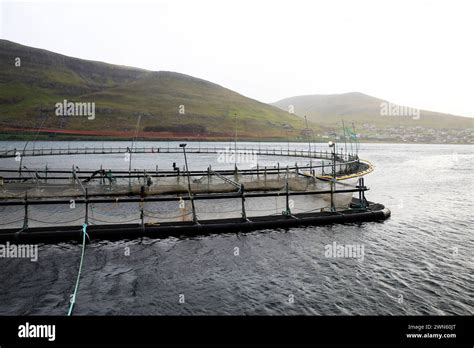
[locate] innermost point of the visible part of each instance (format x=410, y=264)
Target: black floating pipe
x=375, y=212
x=170, y=199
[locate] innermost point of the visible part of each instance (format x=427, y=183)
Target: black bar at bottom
x=224, y=330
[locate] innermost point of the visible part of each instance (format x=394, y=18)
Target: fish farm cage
x=47, y=204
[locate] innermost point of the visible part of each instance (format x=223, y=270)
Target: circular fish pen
x=237, y=189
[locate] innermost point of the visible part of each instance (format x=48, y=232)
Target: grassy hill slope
x=121, y=95
x=327, y=110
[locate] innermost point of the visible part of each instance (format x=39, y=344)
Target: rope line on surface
x=73, y=300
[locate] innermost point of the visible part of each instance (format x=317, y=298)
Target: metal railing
x=209, y=150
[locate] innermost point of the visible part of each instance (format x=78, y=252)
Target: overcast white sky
x=414, y=53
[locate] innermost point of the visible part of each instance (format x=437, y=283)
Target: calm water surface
x=419, y=262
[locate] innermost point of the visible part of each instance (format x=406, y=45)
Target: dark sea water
x=419, y=262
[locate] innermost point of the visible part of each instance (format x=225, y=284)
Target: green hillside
x=327, y=110
x=377, y=120
x=28, y=95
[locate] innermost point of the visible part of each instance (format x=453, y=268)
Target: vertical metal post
x=333, y=179
x=334, y=164
x=361, y=187
x=21, y=161
x=333, y=209
x=142, y=195
x=236, y=173
x=25, y=219
x=287, y=195
x=129, y=166
x=86, y=218
x=235, y=137
x=189, y=183
x=208, y=177
x=242, y=190
x=345, y=136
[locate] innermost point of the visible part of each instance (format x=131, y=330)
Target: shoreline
x=65, y=137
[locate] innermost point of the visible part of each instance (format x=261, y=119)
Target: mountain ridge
x=314, y=104
x=29, y=92
x=377, y=119
x=170, y=105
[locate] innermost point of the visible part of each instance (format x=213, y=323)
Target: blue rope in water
x=84, y=234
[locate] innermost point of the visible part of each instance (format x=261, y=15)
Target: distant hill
x=169, y=104
x=378, y=120
x=327, y=110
